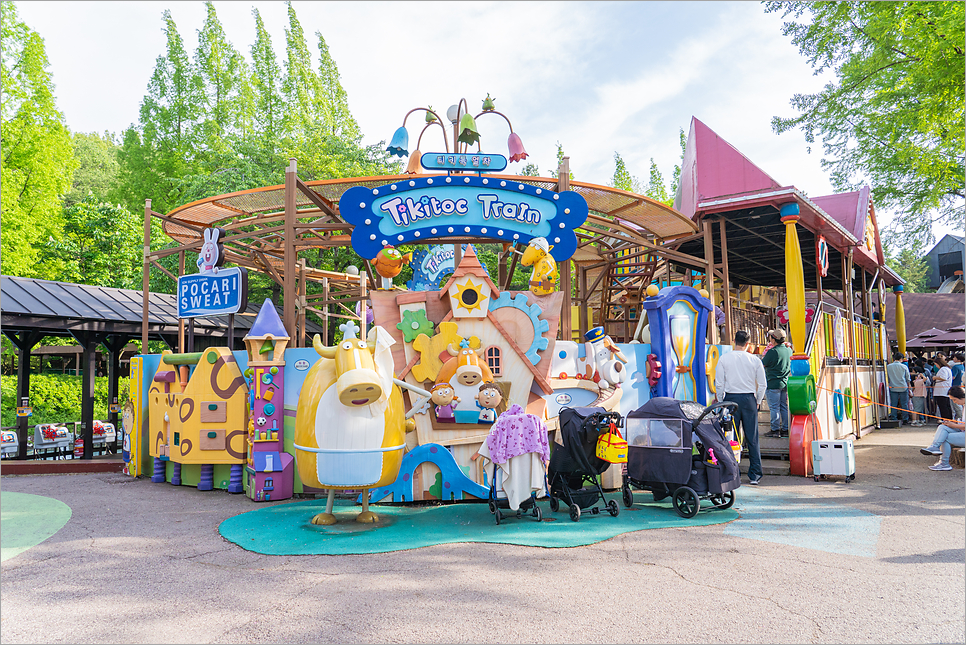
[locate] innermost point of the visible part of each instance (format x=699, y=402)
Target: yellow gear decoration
x=429, y=365
x=711, y=366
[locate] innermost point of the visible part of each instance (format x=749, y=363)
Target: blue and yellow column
x=801, y=384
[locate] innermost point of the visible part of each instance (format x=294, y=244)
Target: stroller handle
x=712, y=409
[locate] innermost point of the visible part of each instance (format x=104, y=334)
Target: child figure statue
x=445, y=399
x=487, y=400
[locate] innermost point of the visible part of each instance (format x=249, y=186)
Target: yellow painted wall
x=184, y=436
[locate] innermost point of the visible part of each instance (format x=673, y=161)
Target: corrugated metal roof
x=31, y=297
x=925, y=311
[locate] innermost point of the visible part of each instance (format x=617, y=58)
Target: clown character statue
x=489, y=397
x=444, y=397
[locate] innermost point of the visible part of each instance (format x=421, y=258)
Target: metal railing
x=756, y=323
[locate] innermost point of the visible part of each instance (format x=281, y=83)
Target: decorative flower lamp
x=515, y=145
x=400, y=143
x=468, y=132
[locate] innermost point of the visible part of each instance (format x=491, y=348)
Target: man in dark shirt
x=777, y=361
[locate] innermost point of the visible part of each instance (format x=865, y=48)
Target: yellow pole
x=900, y=319
x=794, y=280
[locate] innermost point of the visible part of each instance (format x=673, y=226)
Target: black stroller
x=575, y=462
x=663, y=459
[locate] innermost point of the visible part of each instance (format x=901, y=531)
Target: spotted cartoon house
x=470, y=326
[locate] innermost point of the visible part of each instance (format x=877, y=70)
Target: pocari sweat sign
x=215, y=290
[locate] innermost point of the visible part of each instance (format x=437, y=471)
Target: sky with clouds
x=600, y=77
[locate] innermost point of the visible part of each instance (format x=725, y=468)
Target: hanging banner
x=423, y=209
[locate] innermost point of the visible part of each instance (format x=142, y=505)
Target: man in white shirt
x=740, y=378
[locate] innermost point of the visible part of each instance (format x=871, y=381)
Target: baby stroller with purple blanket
x=518, y=447
x=679, y=448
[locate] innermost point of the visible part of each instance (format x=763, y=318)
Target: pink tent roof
x=716, y=177
x=712, y=167
x=851, y=210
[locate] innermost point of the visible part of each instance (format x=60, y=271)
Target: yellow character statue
x=350, y=422
x=544, y=278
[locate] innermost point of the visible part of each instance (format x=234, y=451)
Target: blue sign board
x=431, y=267
x=212, y=294
x=426, y=208
x=478, y=162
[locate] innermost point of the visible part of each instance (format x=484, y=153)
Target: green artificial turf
x=286, y=529
x=27, y=520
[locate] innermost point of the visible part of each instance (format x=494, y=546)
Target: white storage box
x=833, y=458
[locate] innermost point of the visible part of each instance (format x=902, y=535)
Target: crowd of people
x=924, y=383
x=921, y=392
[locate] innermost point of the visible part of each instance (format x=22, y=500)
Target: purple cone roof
x=267, y=323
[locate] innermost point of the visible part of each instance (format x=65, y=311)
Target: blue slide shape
x=454, y=484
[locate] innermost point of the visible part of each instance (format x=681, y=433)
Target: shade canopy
x=929, y=333
x=254, y=221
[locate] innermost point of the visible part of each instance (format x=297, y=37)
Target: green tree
x=101, y=245
x=530, y=170
x=911, y=265
x=97, y=167
x=222, y=76
x=622, y=179
x=894, y=115
x=335, y=102
x=300, y=85
x=560, y=156
x=269, y=106
x=676, y=176
x=37, y=157
x=655, y=185
x=162, y=147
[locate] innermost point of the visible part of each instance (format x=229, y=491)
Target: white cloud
x=598, y=77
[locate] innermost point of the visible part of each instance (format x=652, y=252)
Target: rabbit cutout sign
x=212, y=254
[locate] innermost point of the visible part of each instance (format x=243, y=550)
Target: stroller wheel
x=537, y=513
x=554, y=504
x=628, y=496
x=726, y=500
x=574, y=513
x=492, y=505
x=498, y=515
x=686, y=502
x=613, y=508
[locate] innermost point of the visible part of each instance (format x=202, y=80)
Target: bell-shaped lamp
x=516, y=147
x=400, y=143
x=413, y=167
x=468, y=132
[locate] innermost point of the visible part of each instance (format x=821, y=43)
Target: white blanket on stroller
x=521, y=476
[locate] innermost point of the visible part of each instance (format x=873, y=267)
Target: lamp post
x=465, y=133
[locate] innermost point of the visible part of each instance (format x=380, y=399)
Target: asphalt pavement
x=878, y=560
